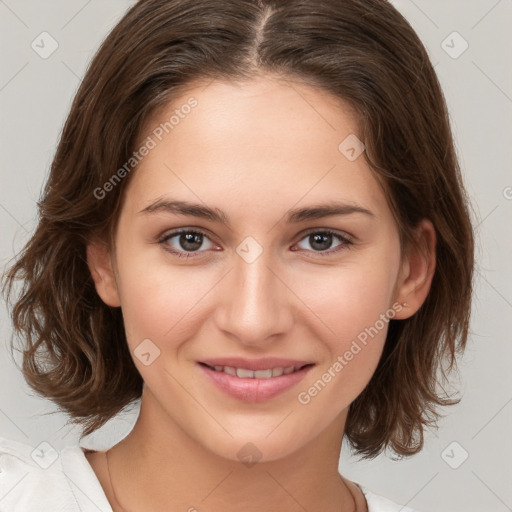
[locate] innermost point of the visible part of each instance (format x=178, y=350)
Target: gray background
x=35, y=96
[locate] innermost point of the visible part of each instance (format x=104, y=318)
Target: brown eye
x=186, y=242
x=190, y=241
x=321, y=241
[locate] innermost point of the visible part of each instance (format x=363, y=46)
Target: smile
x=244, y=373
x=253, y=385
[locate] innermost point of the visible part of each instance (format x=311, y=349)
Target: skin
x=254, y=150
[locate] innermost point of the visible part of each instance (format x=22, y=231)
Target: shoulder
x=41, y=478
x=377, y=503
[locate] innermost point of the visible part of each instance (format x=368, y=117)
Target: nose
x=256, y=306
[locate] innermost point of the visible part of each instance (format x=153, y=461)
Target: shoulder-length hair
x=361, y=51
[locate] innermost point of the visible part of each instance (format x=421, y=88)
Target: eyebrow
x=292, y=216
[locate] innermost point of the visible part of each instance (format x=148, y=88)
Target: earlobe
x=100, y=265
x=417, y=271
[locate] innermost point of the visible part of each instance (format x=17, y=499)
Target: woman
x=255, y=223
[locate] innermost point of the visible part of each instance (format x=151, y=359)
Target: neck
x=159, y=466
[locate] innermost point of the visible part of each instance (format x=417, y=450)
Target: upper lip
x=255, y=364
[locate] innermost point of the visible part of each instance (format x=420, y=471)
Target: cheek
x=354, y=304
x=348, y=299
x=158, y=299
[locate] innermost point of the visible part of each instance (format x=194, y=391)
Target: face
x=257, y=277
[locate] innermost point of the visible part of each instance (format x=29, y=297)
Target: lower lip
x=254, y=390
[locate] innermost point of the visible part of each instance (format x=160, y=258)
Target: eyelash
x=346, y=242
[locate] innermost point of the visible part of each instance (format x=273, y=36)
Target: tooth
x=263, y=374
x=243, y=373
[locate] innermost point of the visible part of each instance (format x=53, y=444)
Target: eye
x=321, y=240
x=187, y=242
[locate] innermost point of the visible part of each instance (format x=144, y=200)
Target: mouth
x=267, y=373
x=254, y=385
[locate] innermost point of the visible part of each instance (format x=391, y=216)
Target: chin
x=253, y=448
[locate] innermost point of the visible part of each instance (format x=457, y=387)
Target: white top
x=42, y=479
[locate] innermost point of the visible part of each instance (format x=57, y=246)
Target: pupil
x=191, y=238
x=324, y=241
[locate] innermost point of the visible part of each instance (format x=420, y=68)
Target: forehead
x=262, y=141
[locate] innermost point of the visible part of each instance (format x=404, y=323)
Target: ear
x=417, y=271
x=99, y=262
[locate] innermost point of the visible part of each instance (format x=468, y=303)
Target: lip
x=254, y=364
x=254, y=389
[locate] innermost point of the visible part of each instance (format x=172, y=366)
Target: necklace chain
x=351, y=494
x=111, y=486
x=123, y=510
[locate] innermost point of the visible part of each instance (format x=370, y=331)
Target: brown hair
x=361, y=51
